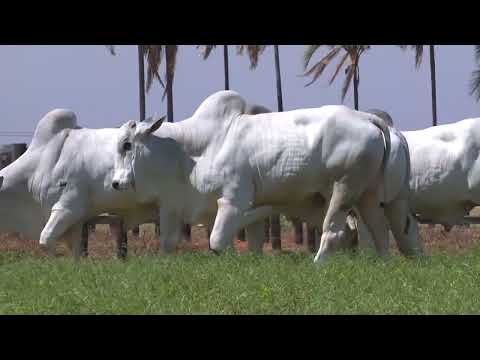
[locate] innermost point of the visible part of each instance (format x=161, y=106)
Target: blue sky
x=103, y=89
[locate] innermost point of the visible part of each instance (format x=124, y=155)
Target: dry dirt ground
x=103, y=245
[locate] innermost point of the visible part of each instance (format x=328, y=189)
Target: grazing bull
x=398, y=209
x=445, y=181
x=445, y=171
x=246, y=167
x=63, y=179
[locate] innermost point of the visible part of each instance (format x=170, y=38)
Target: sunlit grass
x=199, y=283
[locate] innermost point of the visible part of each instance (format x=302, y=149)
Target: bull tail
x=406, y=149
x=382, y=125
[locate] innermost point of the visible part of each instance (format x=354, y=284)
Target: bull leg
x=59, y=222
x=404, y=228
x=171, y=230
x=231, y=217
x=256, y=236
x=374, y=217
x=334, y=223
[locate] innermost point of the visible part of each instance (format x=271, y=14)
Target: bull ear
x=1, y=181
x=155, y=125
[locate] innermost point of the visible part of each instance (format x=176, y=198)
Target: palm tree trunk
x=355, y=87
x=225, y=66
x=298, y=227
x=141, y=98
x=141, y=82
x=169, y=85
x=187, y=229
x=275, y=219
x=311, y=239
x=434, y=86
x=279, y=79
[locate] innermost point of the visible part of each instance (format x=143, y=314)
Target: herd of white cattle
x=230, y=165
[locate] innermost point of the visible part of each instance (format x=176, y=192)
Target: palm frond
x=307, y=55
x=318, y=68
x=205, y=50
x=171, y=55
x=254, y=51
x=477, y=53
x=153, y=54
x=418, y=53
x=339, y=66
x=475, y=84
x=111, y=48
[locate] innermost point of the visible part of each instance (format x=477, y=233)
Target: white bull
x=249, y=166
x=445, y=171
x=402, y=220
x=445, y=182
x=63, y=179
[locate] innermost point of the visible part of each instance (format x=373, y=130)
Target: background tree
x=475, y=80
x=418, y=49
x=350, y=58
x=154, y=55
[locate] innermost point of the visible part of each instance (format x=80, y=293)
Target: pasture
x=197, y=282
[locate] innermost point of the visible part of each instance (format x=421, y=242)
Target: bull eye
x=127, y=146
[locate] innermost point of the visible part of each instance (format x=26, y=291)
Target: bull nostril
x=115, y=185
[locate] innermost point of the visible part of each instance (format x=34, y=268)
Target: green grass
x=199, y=283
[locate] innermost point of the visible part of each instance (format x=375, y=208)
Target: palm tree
x=418, y=60
x=352, y=70
x=154, y=55
x=141, y=81
x=475, y=80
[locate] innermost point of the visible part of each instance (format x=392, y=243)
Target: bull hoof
x=320, y=259
x=47, y=249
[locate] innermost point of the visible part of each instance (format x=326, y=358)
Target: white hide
x=445, y=182
x=445, y=172
x=63, y=179
x=398, y=210
x=248, y=166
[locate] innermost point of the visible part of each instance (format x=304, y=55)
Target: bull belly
x=289, y=192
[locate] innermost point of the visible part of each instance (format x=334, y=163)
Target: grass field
x=200, y=283
x=197, y=282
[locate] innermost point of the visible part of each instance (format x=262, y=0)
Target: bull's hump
x=51, y=124
x=221, y=104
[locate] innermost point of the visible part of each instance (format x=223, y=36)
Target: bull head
x=130, y=135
